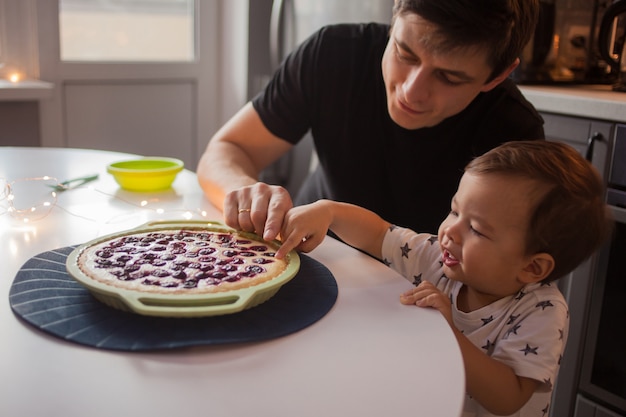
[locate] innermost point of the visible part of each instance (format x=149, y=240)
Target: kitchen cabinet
x=581, y=133
x=577, y=132
x=586, y=408
x=19, y=111
x=20, y=123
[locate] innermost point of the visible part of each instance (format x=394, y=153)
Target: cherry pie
x=182, y=261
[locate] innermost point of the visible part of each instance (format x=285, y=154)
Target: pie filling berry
x=181, y=261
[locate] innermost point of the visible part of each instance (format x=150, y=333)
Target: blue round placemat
x=45, y=296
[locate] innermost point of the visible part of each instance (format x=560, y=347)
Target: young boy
x=524, y=215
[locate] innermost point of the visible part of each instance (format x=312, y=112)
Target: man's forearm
x=224, y=168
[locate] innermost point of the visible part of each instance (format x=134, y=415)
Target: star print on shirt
x=489, y=346
x=487, y=320
x=514, y=329
x=433, y=239
x=545, y=410
x=405, y=250
x=392, y=227
x=548, y=383
x=512, y=319
x=520, y=295
x=417, y=279
x=545, y=304
x=529, y=349
x=387, y=262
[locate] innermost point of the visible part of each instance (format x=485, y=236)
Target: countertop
x=590, y=101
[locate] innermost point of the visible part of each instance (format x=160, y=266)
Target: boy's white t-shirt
x=527, y=331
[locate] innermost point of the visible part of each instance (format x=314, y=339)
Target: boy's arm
x=490, y=382
x=305, y=227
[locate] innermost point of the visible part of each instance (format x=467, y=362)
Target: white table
x=369, y=356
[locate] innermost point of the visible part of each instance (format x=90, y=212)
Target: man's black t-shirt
x=333, y=85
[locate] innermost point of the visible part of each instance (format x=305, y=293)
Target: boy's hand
x=427, y=295
x=304, y=228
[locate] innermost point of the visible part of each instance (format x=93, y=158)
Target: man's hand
x=258, y=208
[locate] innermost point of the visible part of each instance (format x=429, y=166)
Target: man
x=395, y=113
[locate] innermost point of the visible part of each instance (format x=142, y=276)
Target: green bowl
x=146, y=174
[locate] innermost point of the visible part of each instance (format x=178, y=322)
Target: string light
x=36, y=197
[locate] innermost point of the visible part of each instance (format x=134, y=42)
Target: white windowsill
x=25, y=90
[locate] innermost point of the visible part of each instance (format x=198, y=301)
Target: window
x=127, y=30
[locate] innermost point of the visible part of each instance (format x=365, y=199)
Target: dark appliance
x=602, y=383
x=596, y=69
x=611, y=42
x=534, y=64
x=564, y=48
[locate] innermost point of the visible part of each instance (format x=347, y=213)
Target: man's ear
x=539, y=266
x=503, y=75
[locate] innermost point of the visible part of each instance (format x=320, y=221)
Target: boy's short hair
x=570, y=219
x=503, y=27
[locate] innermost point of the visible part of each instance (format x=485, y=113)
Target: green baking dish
x=181, y=305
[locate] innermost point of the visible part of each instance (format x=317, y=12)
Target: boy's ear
x=540, y=265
